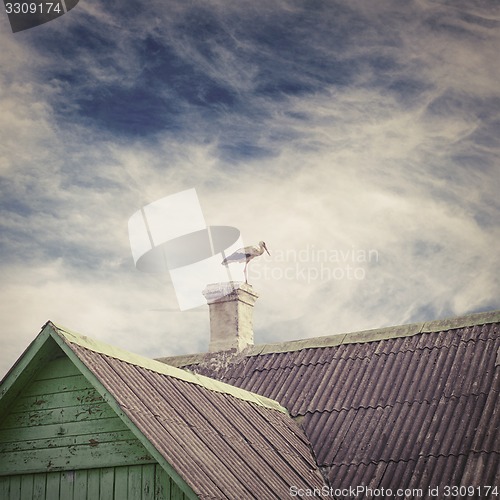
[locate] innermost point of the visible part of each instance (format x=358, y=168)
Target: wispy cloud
x=328, y=128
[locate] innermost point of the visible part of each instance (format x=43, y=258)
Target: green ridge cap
x=156, y=366
x=378, y=334
x=374, y=335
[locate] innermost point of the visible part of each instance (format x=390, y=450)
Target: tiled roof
x=406, y=407
x=224, y=442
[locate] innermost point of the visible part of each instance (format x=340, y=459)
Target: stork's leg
x=245, y=272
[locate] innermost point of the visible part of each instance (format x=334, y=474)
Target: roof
x=217, y=440
x=413, y=406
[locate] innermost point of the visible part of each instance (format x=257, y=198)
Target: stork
x=246, y=254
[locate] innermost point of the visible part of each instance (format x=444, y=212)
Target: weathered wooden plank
x=57, y=368
x=148, y=482
x=176, y=493
x=107, y=483
x=4, y=487
x=57, y=385
x=80, y=486
x=67, y=484
x=40, y=352
x=162, y=484
x=65, y=441
x=121, y=483
x=135, y=482
x=110, y=424
x=73, y=457
x=93, y=483
x=60, y=400
x=39, y=485
x=58, y=416
x=165, y=486
x=27, y=486
x=15, y=488
x=52, y=486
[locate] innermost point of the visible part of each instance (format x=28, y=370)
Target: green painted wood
x=52, y=485
x=112, y=424
x=56, y=386
x=60, y=400
x=80, y=456
x=68, y=430
x=4, y=487
x=148, y=483
x=27, y=486
x=93, y=480
x=38, y=354
x=57, y=416
x=92, y=440
x=176, y=493
x=15, y=488
x=162, y=484
x=134, y=482
x=80, y=485
x=166, y=488
x=107, y=481
x=57, y=368
x=39, y=486
x=67, y=479
x=121, y=483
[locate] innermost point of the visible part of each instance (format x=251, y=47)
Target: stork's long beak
x=265, y=248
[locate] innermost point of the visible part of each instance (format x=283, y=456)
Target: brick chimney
x=231, y=315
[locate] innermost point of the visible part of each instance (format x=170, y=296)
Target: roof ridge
x=91, y=344
x=377, y=334
x=357, y=337
x=364, y=356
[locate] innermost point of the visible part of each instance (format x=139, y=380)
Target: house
x=402, y=412
x=81, y=419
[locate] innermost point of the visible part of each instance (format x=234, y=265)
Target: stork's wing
x=238, y=256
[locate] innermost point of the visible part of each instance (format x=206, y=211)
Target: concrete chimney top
x=231, y=315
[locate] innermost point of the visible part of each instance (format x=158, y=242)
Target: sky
x=360, y=140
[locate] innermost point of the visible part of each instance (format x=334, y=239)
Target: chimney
x=231, y=311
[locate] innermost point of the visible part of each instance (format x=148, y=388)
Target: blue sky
x=325, y=128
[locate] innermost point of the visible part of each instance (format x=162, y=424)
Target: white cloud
x=346, y=168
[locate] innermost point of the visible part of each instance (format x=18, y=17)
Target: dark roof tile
x=487, y=436
x=482, y=469
x=223, y=445
x=415, y=406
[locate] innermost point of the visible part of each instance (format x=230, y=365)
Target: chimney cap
x=223, y=292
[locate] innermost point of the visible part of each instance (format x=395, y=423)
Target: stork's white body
x=246, y=254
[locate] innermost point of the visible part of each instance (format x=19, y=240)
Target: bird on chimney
x=246, y=254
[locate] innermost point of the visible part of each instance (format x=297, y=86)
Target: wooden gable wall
x=134, y=482
x=60, y=422
x=59, y=439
